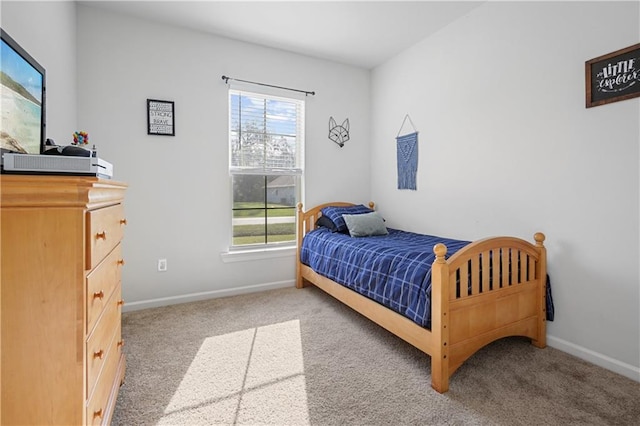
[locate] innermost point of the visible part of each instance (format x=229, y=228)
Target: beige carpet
x=299, y=357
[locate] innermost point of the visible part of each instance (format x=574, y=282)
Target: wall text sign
x=613, y=77
x=160, y=120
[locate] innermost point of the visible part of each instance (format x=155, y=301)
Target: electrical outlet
x=162, y=265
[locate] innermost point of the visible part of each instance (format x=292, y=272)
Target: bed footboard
x=490, y=289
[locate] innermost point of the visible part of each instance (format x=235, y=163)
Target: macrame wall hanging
x=407, y=157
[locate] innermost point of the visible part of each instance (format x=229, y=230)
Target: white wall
x=178, y=202
x=508, y=147
x=47, y=31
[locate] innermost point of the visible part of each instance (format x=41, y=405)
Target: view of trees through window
x=265, y=163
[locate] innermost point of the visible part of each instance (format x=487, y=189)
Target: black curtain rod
x=226, y=80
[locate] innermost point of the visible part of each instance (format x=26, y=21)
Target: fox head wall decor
x=339, y=133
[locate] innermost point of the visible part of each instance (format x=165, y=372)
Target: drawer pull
x=98, y=295
x=123, y=221
x=120, y=262
x=120, y=302
x=121, y=343
x=97, y=413
x=101, y=235
x=99, y=354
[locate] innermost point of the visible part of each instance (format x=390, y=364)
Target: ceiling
x=359, y=33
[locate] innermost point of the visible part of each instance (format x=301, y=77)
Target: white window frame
x=262, y=250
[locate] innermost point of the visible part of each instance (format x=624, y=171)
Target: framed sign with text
x=160, y=118
x=613, y=77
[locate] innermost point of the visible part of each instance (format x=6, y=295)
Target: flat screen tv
x=22, y=93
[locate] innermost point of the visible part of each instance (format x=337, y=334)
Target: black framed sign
x=160, y=118
x=613, y=77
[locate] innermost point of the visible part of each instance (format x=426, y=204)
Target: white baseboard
x=596, y=358
x=193, y=297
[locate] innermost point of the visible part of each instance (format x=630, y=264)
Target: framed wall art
x=613, y=77
x=160, y=118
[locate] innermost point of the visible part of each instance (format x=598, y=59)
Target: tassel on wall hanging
x=407, y=157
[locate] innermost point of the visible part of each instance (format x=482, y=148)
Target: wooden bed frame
x=461, y=323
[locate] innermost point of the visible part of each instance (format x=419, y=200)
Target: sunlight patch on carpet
x=249, y=376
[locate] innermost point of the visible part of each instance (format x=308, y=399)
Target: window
x=266, y=144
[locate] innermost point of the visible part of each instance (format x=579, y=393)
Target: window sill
x=257, y=254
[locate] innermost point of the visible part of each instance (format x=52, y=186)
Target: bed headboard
x=307, y=219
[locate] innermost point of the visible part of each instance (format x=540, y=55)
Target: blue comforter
x=393, y=269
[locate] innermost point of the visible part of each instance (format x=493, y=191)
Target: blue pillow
x=335, y=214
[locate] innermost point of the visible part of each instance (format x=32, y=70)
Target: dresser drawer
x=105, y=228
x=105, y=341
x=100, y=284
x=98, y=406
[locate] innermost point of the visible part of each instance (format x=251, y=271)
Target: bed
x=469, y=295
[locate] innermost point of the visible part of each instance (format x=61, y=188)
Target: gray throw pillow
x=365, y=225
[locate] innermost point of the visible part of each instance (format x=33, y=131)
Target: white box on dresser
x=61, y=348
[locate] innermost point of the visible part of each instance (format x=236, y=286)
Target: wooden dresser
x=61, y=347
